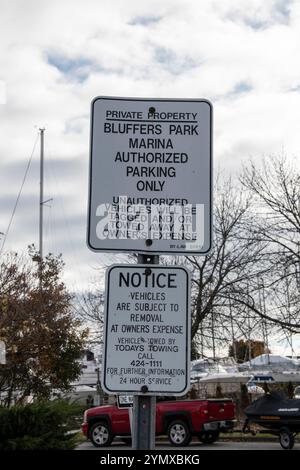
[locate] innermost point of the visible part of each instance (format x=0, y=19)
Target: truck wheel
x=209, y=437
x=100, y=434
x=286, y=438
x=179, y=433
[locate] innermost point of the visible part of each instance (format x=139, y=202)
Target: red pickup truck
x=179, y=420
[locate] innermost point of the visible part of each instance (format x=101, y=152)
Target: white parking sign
x=147, y=330
x=150, y=176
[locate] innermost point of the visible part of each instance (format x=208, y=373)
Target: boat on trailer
x=277, y=413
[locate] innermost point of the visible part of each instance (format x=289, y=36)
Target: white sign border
x=150, y=250
x=188, y=332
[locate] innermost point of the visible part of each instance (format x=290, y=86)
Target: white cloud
x=56, y=56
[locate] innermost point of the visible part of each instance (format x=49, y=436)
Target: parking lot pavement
x=220, y=445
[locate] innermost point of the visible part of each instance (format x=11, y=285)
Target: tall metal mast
x=42, y=130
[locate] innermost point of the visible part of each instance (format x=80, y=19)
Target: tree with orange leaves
x=43, y=338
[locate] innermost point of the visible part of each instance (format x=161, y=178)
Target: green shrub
x=42, y=426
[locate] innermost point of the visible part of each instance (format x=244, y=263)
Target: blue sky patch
x=240, y=88
x=76, y=69
x=283, y=9
x=170, y=61
x=256, y=24
x=144, y=20
x=279, y=13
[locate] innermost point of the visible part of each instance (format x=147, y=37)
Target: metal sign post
x=143, y=429
x=144, y=407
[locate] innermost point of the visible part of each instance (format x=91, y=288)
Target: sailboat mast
x=42, y=130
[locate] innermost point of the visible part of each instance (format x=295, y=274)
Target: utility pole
x=98, y=386
x=288, y=306
x=234, y=345
x=202, y=340
x=42, y=130
x=262, y=306
x=213, y=332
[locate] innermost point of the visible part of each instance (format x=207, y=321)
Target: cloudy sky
x=242, y=55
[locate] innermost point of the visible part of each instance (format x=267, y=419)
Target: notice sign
x=150, y=176
x=147, y=330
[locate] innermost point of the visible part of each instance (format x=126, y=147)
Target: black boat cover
x=274, y=408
